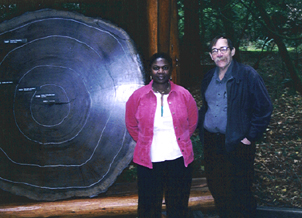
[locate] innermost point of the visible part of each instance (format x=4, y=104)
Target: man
x=236, y=111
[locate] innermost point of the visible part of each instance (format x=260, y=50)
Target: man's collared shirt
x=216, y=97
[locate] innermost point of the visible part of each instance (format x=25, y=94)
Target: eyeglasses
x=222, y=49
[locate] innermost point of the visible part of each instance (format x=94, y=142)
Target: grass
x=254, y=48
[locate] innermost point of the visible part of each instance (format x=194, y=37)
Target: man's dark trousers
x=230, y=176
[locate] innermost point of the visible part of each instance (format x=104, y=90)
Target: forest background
x=267, y=35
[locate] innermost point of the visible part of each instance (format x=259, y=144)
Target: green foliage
x=180, y=6
x=128, y=175
x=266, y=44
x=198, y=165
x=299, y=48
x=246, y=21
x=7, y=11
x=197, y=147
x=72, y=7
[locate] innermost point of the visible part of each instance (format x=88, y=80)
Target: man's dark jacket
x=249, y=105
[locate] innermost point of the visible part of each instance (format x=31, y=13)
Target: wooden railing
x=120, y=199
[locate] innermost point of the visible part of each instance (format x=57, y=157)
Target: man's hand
x=246, y=141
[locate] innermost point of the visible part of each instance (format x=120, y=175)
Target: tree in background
x=278, y=29
x=266, y=23
x=190, y=48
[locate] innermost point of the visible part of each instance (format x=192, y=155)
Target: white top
x=164, y=145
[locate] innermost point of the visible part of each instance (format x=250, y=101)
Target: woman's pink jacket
x=140, y=112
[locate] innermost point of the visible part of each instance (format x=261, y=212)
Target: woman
x=161, y=117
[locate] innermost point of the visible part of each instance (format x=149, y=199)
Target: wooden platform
x=120, y=199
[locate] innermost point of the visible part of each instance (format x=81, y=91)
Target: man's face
x=223, y=56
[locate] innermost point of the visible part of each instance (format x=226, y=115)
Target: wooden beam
x=174, y=42
x=152, y=10
x=164, y=19
x=121, y=200
x=163, y=31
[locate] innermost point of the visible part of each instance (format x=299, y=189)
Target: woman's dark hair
x=214, y=41
x=160, y=55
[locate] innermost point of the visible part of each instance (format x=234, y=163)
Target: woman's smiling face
x=160, y=71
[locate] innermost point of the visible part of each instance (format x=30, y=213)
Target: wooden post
x=174, y=42
x=152, y=9
x=163, y=31
x=164, y=18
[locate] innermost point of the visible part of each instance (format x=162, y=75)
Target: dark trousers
x=230, y=176
x=169, y=177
